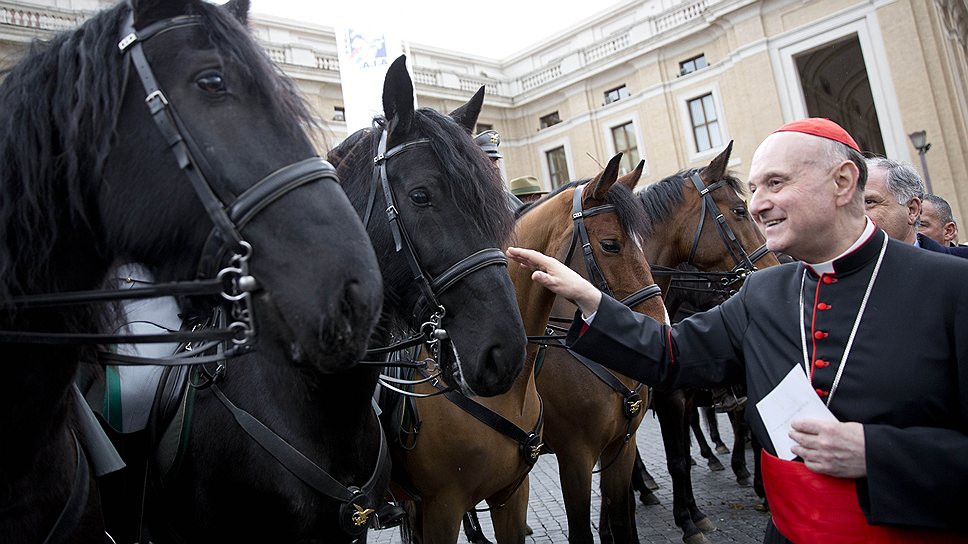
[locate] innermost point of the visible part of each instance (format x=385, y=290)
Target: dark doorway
x=835, y=85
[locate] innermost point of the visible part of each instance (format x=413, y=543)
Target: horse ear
x=466, y=115
x=717, y=167
x=604, y=181
x=398, y=98
x=150, y=11
x=631, y=179
x=239, y=9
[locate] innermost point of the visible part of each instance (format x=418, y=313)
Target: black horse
x=442, y=239
x=98, y=168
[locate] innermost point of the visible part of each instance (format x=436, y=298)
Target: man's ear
x=914, y=210
x=949, y=231
x=845, y=179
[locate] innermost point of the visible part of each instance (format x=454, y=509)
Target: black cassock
x=906, y=377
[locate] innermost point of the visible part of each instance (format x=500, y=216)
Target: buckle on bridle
x=354, y=515
x=633, y=405
x=531, y=449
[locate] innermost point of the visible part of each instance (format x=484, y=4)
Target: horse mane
x=662, y=198
x=627, y=206
x=58, y=111
x=475, y=183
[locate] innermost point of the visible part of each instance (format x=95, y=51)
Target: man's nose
x=759, y=202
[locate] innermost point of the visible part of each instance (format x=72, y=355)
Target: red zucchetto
x=819, y=126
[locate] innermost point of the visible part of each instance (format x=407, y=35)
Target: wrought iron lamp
x=920, y=141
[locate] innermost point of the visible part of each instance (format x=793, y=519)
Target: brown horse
x=697, y=218
x=457, y=459
x=591, y=414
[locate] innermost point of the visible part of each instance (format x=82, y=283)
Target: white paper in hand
x=793, y=399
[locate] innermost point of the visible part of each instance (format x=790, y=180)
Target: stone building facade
x=668, y=81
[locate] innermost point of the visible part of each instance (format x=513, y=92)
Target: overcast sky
x=495, y=29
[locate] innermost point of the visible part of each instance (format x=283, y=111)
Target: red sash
x=808, y=507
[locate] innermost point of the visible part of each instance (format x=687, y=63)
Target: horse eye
x=610, y=246
x=740, y=211
x=420, y=197
x=211, y=83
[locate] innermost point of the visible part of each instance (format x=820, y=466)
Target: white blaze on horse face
x=638, y=241
x=665, y=312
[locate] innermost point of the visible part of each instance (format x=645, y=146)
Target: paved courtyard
x=730, y=506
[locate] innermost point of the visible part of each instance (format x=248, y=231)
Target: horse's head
x=200, y=131
x=438, y=216
x=604, y=214
x=705, y=224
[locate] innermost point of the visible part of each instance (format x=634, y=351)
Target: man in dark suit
x=937, y=221
x=893, y=199
x=845, y=319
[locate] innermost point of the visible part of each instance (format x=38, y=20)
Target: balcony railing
x=425, y=77
x=575, y=61
x=52, y=19
x=39, y=18
x=540, y=78
x=606, y=48
x=680, y=15
x=328, y=63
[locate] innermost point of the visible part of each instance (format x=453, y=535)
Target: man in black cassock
x=877, y=326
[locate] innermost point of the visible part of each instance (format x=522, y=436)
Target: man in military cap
x=527, y=189
x=489, y=140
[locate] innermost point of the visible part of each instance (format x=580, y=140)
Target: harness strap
x=97, y=338
x=68, y=298
x=185, y=358
x=467, y=266
x=163, y=113
x=642, y=295
x=579, y=237
x=265, y=192
x=529, y=442
x=401, y=238
x=631, y=399
x=725, y=232
x=310, y=473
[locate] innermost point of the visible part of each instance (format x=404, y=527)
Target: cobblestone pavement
x=728, y=505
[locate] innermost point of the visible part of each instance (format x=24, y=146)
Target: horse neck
x=314, y=405
x=671, y=241
x=662, y=249
x=534, y=301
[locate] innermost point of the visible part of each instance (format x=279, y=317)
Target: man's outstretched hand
x=558, y=278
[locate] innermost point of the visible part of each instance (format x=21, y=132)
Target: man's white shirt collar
x=827, y=267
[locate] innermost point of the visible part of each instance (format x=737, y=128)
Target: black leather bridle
x=579, y=238
x=431, y=329
x=718, y=282
x=223, y=266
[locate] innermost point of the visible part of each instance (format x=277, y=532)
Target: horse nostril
x=358, y=296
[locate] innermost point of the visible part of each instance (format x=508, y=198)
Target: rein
x=358, y=504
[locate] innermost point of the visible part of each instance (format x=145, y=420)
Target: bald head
x=806, y=195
